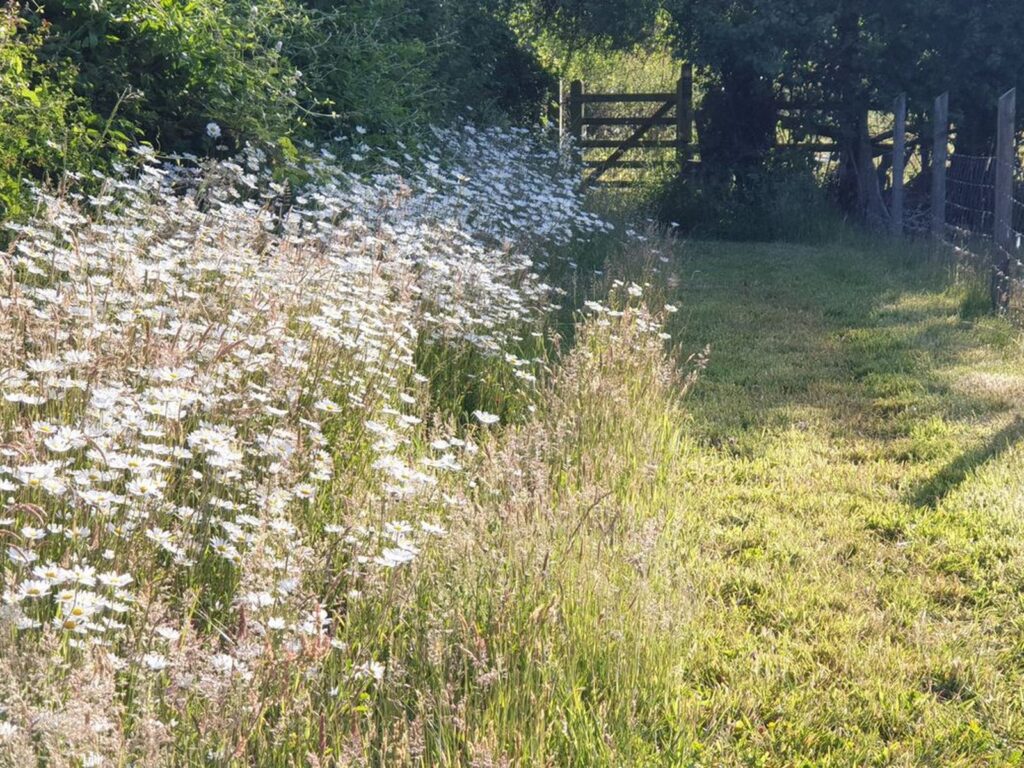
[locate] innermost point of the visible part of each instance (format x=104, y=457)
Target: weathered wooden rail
x=672, y=110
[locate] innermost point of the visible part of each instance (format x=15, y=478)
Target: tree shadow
x=946, y=480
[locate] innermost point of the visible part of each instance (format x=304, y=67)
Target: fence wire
x=970, y=209
x=970, y=196
x=971, y=226
x=1012, y=260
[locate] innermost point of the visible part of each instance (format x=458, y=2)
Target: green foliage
x=46, y=130
x=487, y=67
x=284, y=68
x=393, y=65
x=843, y=59
x=84, y=80
x=575, y=22
x=175, y=66
x=365, y=64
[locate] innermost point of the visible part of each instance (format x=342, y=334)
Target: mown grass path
x=842, y=579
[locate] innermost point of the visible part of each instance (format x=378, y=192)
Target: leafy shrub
x=487, y=66
x=394, y=65
x=45, y=129
x=280, y=70
x=170, y=68
x=782, y=201
x=366, y=63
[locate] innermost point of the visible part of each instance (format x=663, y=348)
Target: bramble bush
x=174, y=67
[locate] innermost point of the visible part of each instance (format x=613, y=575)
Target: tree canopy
x=831, y=59
x=280, y=72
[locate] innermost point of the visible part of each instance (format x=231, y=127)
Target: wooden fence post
x=899, y=149
x=1005, y=140
x=940, y=152
x=563, y=111
x=684, y=116
x=868, y=193
x=576, y=112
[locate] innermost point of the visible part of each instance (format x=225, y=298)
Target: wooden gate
x=673, y=110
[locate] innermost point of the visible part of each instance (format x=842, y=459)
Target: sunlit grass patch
x=1004, y=389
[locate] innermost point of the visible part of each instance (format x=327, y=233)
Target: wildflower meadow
x=519, y=384
x=222, y=463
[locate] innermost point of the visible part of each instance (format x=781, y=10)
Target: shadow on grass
x=947, y=479
x=861, y=335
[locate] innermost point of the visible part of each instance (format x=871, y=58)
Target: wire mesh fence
x=971, y=226
x=970, y=195
x=970, y=209
x=1012, y=258
x=972, y=203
